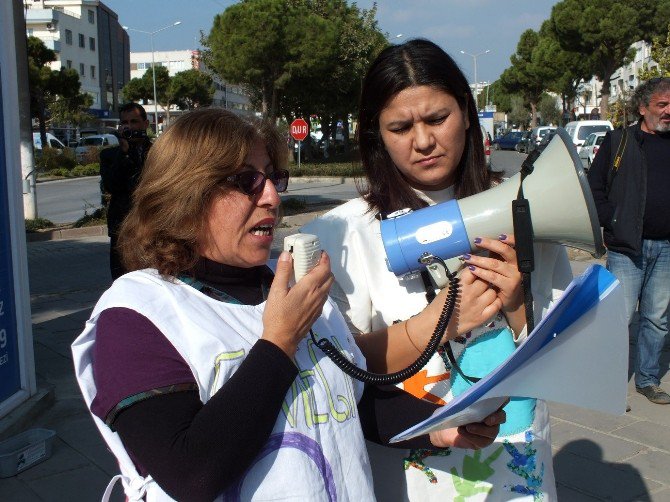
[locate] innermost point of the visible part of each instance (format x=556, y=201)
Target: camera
x=128, y=133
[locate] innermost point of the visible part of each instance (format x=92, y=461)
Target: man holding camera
x=120, y=169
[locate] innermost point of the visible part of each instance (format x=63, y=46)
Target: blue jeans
x=645, y=278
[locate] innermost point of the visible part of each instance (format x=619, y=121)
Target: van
x=537, y=133
x=52, y=142
x=581, y=129
x=85, y=144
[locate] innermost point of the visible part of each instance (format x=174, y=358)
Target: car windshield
x=586, y=130
x=90, y=142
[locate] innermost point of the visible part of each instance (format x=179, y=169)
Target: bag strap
x=616, y=161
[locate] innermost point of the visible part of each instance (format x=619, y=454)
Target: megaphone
x=561, y=206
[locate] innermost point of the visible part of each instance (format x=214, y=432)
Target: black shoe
x=655, y=394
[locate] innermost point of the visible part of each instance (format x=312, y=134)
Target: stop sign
x=299, y=129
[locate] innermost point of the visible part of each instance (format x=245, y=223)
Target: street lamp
x=474, y=57
x=153, y=62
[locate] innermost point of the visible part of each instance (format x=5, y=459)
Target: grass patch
x=38, y=224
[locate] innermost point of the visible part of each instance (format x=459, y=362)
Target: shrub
x=91, y=156
x=92, y=169
x=97, y=217
x=38, y=224
x=60, y=172
x=52, y=158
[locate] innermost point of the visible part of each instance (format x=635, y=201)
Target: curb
x=65, y=233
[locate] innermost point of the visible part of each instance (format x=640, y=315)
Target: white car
x=590, y=147
x=580, y=129
x=96, y=141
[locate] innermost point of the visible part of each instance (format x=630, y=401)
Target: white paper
x=578, y=354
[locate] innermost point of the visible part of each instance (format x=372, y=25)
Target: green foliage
x=33, y=225
x=604, y=30
x=295, y=57
x=92, y=169
x=55, y=95
x=60, y=172
x=192, y=89
x=548, y=110
x=528, y=75
x=660, y=52
x=519, y=115
x=52, y=158
x=340, y=169
x=96, y=218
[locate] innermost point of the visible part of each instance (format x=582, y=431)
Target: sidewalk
x=597, y=456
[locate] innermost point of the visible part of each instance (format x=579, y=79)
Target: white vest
x=316, y=450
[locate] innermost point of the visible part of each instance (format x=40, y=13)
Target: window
x=91, y=16
x=91, y=43
x=82, y=69
x=82, y=40
x=68, y=37
x=68, y=64
x=92, y=71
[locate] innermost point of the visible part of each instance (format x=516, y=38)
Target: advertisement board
x=10, y=381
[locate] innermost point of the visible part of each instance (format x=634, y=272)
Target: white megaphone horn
x=561, y=207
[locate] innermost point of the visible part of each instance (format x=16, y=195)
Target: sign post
x=299, y=131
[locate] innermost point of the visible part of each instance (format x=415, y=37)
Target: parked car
x=546, y=139
x=590, y=148
x=526, y=144
x=537, y=133
x=84, y=145
x=52, y=142
x=508, y=141
x=580, y=130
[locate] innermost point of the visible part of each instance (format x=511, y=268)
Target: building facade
x=229, y=96
x=87, y=37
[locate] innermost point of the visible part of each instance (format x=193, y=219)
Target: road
x=65, y=201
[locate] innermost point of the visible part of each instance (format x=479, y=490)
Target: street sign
x=299, y=129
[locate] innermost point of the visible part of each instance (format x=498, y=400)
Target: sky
x=472, y=26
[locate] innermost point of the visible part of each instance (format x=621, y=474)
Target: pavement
x=596, y=456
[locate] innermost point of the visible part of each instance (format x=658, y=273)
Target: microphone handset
x=306, y=251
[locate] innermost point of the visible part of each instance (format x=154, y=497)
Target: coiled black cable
x=399, y=376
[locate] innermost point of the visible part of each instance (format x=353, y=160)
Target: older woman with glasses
x=195, y=364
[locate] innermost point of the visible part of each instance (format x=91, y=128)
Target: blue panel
x=10, y=381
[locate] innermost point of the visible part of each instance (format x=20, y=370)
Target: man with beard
x=630, y=181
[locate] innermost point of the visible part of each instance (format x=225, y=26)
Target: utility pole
x=25, y=122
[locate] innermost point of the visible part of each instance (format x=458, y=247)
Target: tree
x=660, y=52
x=527, y=75
x=295, y=56
x=191, y=89
x=54, y=94
x=567, y=70
x=548, y=109
x=605, y=30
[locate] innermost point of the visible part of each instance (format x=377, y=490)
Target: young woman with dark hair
x=421, y=144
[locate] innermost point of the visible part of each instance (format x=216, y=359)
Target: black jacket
x=119, y=175
x=620, y=196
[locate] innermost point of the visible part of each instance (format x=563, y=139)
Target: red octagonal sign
x=299, y=129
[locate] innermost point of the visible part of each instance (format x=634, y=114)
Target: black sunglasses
x=253, y=182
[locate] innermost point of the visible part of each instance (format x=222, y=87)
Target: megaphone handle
x=523, y=238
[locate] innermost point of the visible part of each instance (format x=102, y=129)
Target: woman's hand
x=290, y=312
x=477, y=302
x=501, y=271
x=471, y=436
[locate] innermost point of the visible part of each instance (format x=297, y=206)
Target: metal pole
x=153, y=70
